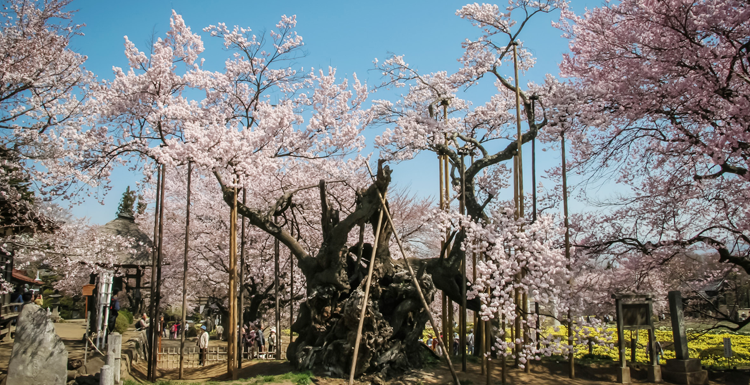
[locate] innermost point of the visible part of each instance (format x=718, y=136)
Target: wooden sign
x=88, y=289
x=635, y=314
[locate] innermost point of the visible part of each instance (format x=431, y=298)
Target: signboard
x=635, y=314
x=727, y=347
x=88, y=289
x=202, y=307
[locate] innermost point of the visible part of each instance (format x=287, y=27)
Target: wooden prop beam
x=364, y=300
x=414, y=281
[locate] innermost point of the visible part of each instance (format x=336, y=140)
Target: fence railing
x=169, y=358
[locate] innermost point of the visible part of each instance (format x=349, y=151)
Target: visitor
x=428, y=342
x=202, y=345
x=142, y=323
x=261, y=338
x=39, y=300
x=252, y=339
x=470, y=341
x=17, y=297
x=219, y=332
x=114, y=310
x=162, y=328
x=436, y=345
x=455, y=344
x=272, y=341
x=245, y=339
x=175, y=327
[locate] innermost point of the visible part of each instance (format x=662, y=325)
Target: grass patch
x=297, y=378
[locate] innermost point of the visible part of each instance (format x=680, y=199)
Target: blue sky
x=347, y=35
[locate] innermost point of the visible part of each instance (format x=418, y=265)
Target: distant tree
x=141, y=205
x=127, y=203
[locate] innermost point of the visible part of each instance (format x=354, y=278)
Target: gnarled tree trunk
x=327, y=321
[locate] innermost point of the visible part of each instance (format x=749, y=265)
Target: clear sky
x=347, y=35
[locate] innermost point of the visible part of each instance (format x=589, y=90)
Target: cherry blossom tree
x=662, y=106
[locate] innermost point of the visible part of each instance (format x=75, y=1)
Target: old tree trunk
x=327, y=321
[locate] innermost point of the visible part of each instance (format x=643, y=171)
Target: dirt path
x=542, y=373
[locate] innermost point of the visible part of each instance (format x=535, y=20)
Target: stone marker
x=105, y=377
x=38, y=356
x=678, y=325
x=114, y=351
x=683, y=369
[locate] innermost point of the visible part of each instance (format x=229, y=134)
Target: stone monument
x=683, y=369
x=38, y=356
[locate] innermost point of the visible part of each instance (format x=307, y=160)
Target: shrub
x=128, y=315
x=122, y=323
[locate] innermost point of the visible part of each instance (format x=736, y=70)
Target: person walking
x=203, y=345
x=219, y=332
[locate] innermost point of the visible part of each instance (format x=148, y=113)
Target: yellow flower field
x=709, y=347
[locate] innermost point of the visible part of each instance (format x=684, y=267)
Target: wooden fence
x=169, y=358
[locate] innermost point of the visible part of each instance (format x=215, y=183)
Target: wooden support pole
x=503, y=360
x=184, y=273
x=156, y=299
x=154, y=246
x=443, y=298
x=488, y=350
x=277, y=294
x=241, y=283
x=365, y=298
x=232, y=324
x=521, y=320
x=291, y=296
x=571, y=355
x=414, y=279
x=462, y=314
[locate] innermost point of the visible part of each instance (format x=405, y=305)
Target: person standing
x=39, y=300
x=203, y=346
x=251, y=342
x=219, y=332
x=142, y=323
x=272, y=341
x=470, y=341
x=114, y=310
x=261, y=338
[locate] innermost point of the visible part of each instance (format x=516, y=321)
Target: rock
x=74, y=364
x=38, y=356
